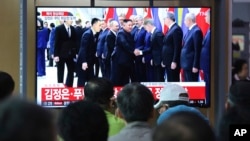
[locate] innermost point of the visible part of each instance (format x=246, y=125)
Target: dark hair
x=233, y=116
x=52, y=25
x=7, y=85
x=99, y=90
x=184, y=126
x=83, y=121
x=24, y=121
x=94, y=20
x=238, y=64
x=86, y=22
x=127, y=20
x=135, y=102
x=78, y=21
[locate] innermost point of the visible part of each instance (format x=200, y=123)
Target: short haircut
x=191, y=16
x=237, y=65
x=86, y=22
x=52, y=25
x=95, y=20
x=135, y=102
x=7, y=85
x=233, y=116
x=171, y=16
x=83, y=121
x=184, y=126
x=149, y=21
x=99, y=90
x=78, y=21
x=127, y=20
x=24, y=121
x=139, y=17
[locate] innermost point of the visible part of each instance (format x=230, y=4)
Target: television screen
x=150, y=45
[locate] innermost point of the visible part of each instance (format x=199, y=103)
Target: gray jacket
x=134, y=131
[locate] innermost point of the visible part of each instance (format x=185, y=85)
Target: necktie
x=69, y=32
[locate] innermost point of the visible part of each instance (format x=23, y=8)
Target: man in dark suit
x=123, y=56
x=171, y=50
x=156, y=43
x=87, y=53
x=65, y=51
x=109, y=46
x=134, y=27
x=79, y=32
x=100, y=46
x=139, y=37
x=190, y=53
x=205, y=57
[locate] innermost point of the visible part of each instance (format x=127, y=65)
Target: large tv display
x=150, y=45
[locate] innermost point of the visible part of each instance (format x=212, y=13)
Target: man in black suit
x=171, y=51
x=65, y=51
x=79, y=32
x=139, y=37
x=156, y=43
x=123, y=56
x=87, y=53
x=109, y=46
x=100, y=46
x=190, y=53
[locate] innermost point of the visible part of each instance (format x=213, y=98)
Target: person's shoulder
x=116, y=137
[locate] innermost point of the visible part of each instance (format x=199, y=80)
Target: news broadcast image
x=153, y=48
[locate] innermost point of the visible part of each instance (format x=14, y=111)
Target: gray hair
x=191, y=16
x=111, y=23
x=139, y=17
x=171, y=16
x=149, y=21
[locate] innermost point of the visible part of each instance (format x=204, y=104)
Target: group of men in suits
x=132, y=50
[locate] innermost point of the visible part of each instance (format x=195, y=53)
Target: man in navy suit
x=123, y=56
x=171, y=52
x=109, y=46
x=190, y=53
x=205, y=57
x=134, y=29
x=87, y=53
x=156, y=43
x=139, y=37
x=65, y=51
x=100, y=46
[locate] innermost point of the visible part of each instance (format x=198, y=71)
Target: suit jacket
x=147, y=48
x=205, y=52
x=109, y=45
x=134, y=31
x=172, y=44
x=190, y=53
x=88, y=48
x=52, y=40
x=65, y=46
x=124, y=51
x=139, y=38
x=79, y=32
x=101, y=42
x=156, y=43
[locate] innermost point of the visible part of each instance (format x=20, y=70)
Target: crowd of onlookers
x=133, y=115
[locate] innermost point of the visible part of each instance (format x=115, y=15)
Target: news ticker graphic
x=239, y=132
x=58, y=95
x=57, y=15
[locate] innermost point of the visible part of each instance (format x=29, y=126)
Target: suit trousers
x=84, y=75
x=189, y=76
x=70, y=68
x=173, y=75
